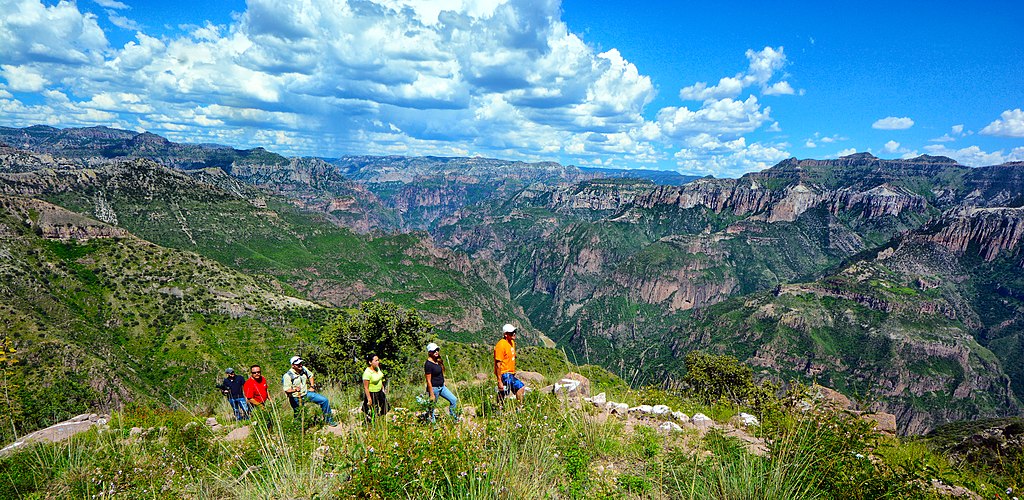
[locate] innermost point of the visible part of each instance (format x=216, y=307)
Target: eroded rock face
x=990, y=232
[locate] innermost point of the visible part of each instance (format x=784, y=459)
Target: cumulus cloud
x=893, y=123
x=846, y=152
x=706, y=154
x=891, y=147
x=762, y=66
x=726, y=117
x=976, y=157
x=1009, y=124
x=494, y=77
x=31, y=32
x=22, y=78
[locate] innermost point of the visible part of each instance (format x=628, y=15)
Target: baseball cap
x=296, y=360
x=431, y=347
x=229, y=371
x=508, y=328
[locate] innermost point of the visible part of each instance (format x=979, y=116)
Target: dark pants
x=376, y=407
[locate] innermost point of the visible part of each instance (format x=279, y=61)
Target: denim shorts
x=512, y=384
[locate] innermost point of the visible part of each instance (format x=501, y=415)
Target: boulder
x=81, y=418
x=642, y=410
x=600, y=399
x=884, y=422
x=238, y=434
x=745, y=420
x=211, y=421
x=661, y=410
x=531, y=377
x=670, y=427
x=680, y=416
x=618, y=408
x=701, y=421
x=830, y=397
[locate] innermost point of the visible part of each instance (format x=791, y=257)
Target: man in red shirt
x=255, y=390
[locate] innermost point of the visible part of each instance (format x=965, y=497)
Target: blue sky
x=719, y=89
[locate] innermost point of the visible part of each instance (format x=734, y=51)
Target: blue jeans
x=240, y=407
x=325, y=405
x=452, y=400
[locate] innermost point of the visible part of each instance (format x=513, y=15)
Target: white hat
x=296, y=360
x=508, y=328
x=431, y=347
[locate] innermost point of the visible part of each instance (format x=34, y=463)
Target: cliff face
x=984, y=232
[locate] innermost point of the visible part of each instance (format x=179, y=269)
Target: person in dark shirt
x=232, y=387
x=433, y=369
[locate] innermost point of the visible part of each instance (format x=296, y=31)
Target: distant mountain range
x=899, y=282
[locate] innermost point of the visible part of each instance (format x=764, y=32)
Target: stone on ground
x=238, y=434
x=660, y=409
x=701, y=421
x=600, y=399
x=680, y=416
x=670, y=427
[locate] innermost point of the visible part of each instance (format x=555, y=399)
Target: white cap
x=296, y=360
x=431, y=347
x=508, y=328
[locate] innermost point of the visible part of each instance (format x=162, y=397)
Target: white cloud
x=780, y=88
x=846, y=152
x=957, y=129
x=727, y=117
x=705, y=154
x=893, y=123
x=495, y=77
x=123, y=22
x=810, y=144
x=111, y=4
x=727, y=87
x=22, y=78
x=763, y=65
x=975, y=156
x=891, y=147
x=33, y=32
x=1009, y=124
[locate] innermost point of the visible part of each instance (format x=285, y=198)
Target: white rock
x=101, y=421
x=645, y=409
x=660, y=410
x=702, y=421
x=81, y=418
x=211, y=421
x=670, y=427
x=600, y=399
x=618, y=408
x=749, y=420
x=680, y=416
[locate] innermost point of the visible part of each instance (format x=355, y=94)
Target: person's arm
x=430, y=389
x=366, y=390
x=287, y=384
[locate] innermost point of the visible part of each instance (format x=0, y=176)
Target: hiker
x=433, y=369
x=232, y=388
x=505, y=366
x=375, y=403
x=257, y=395
x=299, y=385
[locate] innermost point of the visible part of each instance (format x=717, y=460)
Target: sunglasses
x=255, y=372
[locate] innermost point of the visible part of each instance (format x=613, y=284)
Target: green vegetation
x=545, y=449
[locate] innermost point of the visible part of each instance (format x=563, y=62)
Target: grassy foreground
x=544, y=449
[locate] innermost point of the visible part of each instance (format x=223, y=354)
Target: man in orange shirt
x=505, y=366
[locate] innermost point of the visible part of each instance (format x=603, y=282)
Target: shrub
x=712, y=377
x=393, y=333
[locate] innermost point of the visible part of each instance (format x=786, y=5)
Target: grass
x=541, y=449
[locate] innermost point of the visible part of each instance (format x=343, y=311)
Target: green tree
x=712, y=377
x=395, y=334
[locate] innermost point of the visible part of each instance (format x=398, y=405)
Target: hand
x=501, y=387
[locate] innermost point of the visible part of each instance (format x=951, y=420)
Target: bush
x=394, y=334
x=713, y=377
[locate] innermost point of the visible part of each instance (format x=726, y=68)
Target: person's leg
x=325, y=405
x=236, y=407
x=294, y=402
x=245, y=408
x=453, y=402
